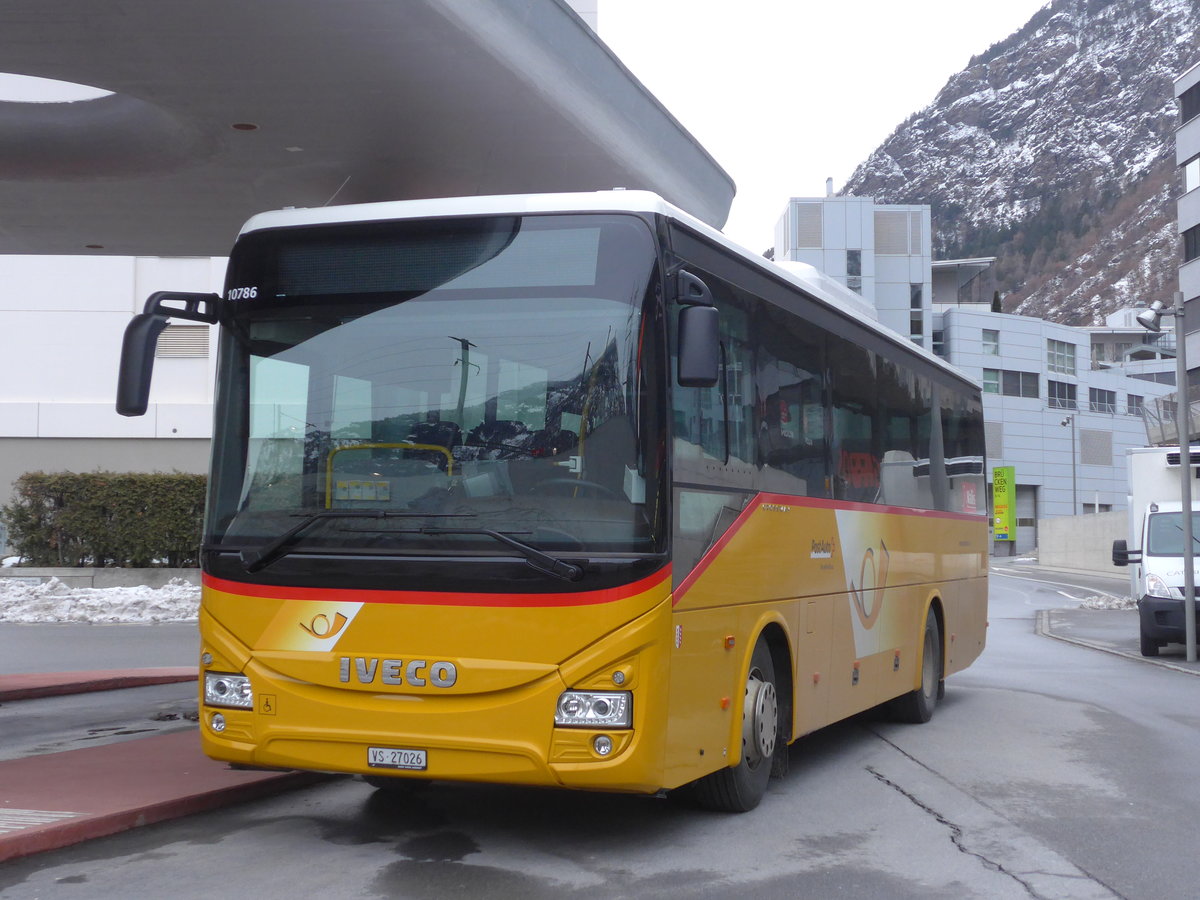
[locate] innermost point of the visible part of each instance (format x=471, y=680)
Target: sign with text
x=1004, y=503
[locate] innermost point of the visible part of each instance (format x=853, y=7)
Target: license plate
x=396, y=758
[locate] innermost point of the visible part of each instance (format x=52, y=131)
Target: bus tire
x=740, y=788
x=917, y=706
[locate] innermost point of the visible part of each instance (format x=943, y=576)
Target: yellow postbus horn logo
x=872, y=578
x=321, y=627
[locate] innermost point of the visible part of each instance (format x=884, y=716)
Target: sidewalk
x=1109, y=630
x=58, y=799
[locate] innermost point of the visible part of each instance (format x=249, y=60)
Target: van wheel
x=917, y=706
x=1149, y=644
x=740, y=788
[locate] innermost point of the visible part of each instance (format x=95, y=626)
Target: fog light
x=602, y=745
x=217, y=722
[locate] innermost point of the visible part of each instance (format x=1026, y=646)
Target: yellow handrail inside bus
x=406, y=445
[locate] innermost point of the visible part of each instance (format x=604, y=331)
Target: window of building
x=1095, y=508
x=1191, y=174
x=1121, y=349
x=939, y=343
x=1191, y=243
x=853, y=262
x=1099, y=352
x=1189, y=104
x=1135, y=404
x=854, y=270
x=1102, y=401
x=991, y=342
x=1060, y=394
x=916, y=297
x=1010, y=383
x=1060, y=357
x=1019, y=384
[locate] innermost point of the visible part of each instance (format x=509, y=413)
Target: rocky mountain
x=1053, y=151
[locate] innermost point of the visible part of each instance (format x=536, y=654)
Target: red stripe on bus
x=438, y=598
x=811, y=503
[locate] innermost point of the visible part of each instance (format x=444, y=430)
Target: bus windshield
x=420, y=387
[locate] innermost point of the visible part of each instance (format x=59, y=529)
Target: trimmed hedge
x=106, y=519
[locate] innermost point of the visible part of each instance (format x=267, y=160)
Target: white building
x=1061, y=404
x=1062, y=423
x=1187, y=159
x=882, y=253
x=62, y=319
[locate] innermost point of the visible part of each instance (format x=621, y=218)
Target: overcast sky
x=787, y=93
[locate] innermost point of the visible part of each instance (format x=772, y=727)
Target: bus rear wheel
x=740, y=788
x=917, y=706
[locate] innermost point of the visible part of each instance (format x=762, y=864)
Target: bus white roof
x=806, y=277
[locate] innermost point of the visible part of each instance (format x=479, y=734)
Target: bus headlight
x=594, y=709
x=221, y=689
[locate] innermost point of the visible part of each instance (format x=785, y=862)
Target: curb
x=67, y=832
x=1043, y=629
x=56, y=684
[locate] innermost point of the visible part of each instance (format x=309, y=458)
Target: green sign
x=1004, y=503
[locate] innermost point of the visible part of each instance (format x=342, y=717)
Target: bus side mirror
x=141, y=339
x=137, y=363
x=699, y=347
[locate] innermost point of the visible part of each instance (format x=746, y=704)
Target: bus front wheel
x=740, y=788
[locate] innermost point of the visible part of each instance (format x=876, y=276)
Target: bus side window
x=906, y=403
x=856, y=422
x=792, y=433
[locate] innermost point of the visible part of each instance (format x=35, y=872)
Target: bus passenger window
x=856, y=435
x=792, y=434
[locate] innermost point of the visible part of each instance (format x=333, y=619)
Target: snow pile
x=53, y=601
x=1109, y=601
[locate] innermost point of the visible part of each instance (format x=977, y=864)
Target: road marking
x=17, y=819
x=1030, y=577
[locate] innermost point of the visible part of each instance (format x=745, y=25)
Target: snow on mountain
x=1054, y=152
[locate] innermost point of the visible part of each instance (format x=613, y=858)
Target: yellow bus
x=566, y=490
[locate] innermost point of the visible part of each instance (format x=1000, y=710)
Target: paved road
x=75, y=647
x=1051, y=770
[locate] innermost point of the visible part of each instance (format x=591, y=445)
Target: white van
x=1157, y=573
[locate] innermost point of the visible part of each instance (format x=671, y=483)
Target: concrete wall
x=101, y=578
x=1081, y=542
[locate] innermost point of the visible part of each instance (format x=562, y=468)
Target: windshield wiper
x=535, y=558
x=255, y=560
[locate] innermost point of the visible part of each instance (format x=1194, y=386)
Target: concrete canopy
x=226, y=108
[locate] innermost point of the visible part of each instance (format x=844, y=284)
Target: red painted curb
x=31, y=686
x=100, y=791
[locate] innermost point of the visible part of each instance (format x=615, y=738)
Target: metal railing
x=1159, y=415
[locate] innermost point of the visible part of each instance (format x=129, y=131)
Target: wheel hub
x=760, y=720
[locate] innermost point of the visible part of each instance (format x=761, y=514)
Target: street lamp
x=1150, y=319
x=1070, y=420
